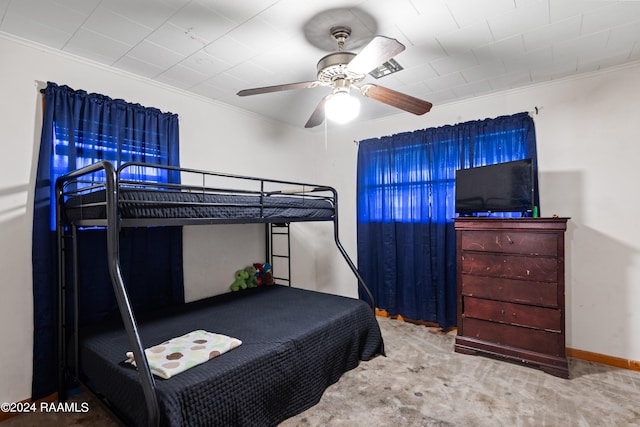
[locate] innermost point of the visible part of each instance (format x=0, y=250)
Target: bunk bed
x=294, y=342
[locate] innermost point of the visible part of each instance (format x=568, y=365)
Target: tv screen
x=502, y=187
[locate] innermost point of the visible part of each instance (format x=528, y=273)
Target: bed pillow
x=181, y=353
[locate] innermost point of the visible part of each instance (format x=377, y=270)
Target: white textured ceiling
x=455, y=49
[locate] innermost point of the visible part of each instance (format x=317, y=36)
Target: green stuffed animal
x=241, y=280
x=252, y=280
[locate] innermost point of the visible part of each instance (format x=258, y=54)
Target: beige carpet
x=422, y=382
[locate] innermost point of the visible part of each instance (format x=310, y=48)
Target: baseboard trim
x=589, y=356
x=383, y=313
x=6, y=415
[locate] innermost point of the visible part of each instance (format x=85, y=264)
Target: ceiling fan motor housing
x=334, y=66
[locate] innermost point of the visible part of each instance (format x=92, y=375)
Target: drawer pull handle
x=502, y=312
x=509, y=239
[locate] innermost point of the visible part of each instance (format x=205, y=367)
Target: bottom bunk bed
x=294, y=344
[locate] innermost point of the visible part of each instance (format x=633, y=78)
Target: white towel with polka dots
x=181, y=353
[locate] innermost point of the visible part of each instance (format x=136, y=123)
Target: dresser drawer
x=548, y=319
x=535, y=340
x=513, y=242
x=522, y=291
x=540, y=269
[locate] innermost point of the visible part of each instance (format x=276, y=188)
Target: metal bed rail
x=255, y=193
x=264, y=187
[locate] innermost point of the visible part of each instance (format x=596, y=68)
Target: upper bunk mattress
x=159, y=204
x=295, y=343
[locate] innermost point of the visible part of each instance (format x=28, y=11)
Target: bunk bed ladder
x=279, y=251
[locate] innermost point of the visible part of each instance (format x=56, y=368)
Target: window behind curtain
x=103, y=146
x=401, y=184
x=98, y=128
x=406, y=206
x=81, y=128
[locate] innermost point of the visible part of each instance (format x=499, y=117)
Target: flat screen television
x=501, y=187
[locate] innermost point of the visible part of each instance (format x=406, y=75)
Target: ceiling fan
x=342, y=70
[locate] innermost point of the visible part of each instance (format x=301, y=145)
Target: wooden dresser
x=510, y=275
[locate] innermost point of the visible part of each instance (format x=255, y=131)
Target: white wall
x=212, y=137
x=588, y=154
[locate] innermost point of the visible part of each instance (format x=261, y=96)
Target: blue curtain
x=79, y=129
x=406, y=206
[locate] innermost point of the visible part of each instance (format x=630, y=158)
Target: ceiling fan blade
x=396, y=99
x=278, y=88
x=317, y=117
x=377, y=52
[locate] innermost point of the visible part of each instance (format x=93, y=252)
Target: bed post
x=352, y=266
x=62, y=355
x=113, y=250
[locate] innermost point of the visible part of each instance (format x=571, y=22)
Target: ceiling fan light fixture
x=341, y=107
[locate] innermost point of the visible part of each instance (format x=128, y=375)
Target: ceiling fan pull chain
x=326, y=139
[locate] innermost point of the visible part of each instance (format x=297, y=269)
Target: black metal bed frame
x=77, y=182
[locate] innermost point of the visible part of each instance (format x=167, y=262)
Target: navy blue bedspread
x=295, y=344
